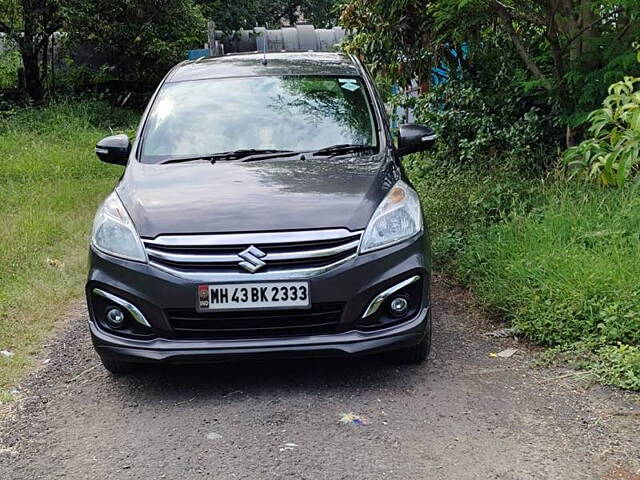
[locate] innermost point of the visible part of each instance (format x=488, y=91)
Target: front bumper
x=355, y=284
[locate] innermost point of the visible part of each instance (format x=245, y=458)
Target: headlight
x=114, y=233
x=397, y=218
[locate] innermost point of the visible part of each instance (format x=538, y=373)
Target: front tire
x=417, y=354
x=118, y=367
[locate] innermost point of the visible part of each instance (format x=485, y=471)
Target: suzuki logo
x=251, y=257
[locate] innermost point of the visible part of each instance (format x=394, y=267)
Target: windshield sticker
x=349, y=84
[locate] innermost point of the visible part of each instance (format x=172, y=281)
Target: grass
x=567, y=275
x=51, y=183
x=567, y=272
x=459, y=201
x=558, y=259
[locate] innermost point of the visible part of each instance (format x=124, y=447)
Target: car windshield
x=292, y=113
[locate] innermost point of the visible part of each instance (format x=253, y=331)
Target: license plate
x=243, y=296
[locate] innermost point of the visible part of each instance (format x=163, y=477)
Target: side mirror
x=415, y=138
x=114, y=149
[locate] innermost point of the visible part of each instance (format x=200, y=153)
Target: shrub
x=611, y=156
x=141, y=39
x=459, y=201
x=567, y=273
x=489, y=124
x=10, y=62
x=618, y=365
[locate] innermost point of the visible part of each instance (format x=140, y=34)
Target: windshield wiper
x=334, y=150
x=268, y=156
x=231, y=155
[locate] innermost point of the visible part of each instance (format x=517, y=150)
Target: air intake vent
x=321, y=319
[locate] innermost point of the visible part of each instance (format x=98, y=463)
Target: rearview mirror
x=114, y=149
x=415, y=138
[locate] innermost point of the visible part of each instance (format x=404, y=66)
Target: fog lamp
x=399, y=306
x=115, y=317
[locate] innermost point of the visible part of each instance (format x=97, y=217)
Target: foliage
x=564, y=49
x=460, y=201
x=321, y=13
x=392, y=36
x=560, y=264
x=558, y=259
x=250, y=13
x=565, y=273
x=231, y=16
x=9, y=64
x=51, y=185
x=611, y=156
x=141, y=38
x=618, y=365
x=488, y=124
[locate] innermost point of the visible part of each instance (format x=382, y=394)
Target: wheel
x=118, y=367
x=418, y=353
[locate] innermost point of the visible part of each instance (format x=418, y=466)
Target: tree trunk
x=570, y=137
x=32, y=74
x=507, y=23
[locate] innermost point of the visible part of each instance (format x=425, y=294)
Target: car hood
x=265, y=195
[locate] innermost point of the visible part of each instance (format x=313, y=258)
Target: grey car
x=263, y=212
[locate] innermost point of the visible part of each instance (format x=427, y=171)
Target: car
x=263, y=213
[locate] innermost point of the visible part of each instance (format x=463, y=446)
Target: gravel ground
x=464, y=415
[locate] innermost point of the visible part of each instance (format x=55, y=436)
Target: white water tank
x=298, y=38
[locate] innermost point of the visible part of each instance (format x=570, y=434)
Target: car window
x=282, y=113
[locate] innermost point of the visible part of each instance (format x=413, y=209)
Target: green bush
x=565, y=273
x=10, y=62
x=459, y=201
x=611, y=156
x=492, y=124
x=618, y=365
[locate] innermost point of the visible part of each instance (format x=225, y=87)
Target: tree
x=569, y=49
x=30, y=24
x=141, y=38
x=575, y=37
x=251, y=13
x=241, y=14
x=320, y=13
x=393, y=36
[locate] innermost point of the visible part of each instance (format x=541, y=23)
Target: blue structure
x=195, y=54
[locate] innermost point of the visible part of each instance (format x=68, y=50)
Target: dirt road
x=465, y=415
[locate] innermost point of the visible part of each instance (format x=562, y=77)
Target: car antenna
x=264, y=45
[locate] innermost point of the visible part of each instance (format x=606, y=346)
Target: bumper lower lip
x=351, y=343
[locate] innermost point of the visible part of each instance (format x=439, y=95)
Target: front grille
x=321, y=319
x=276, y=252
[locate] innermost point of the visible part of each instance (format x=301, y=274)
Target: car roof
x=251, y=65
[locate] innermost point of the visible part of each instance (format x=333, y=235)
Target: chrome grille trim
x=287, y=255
x=299, y=274
x=234, y=239
x=194, y=258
